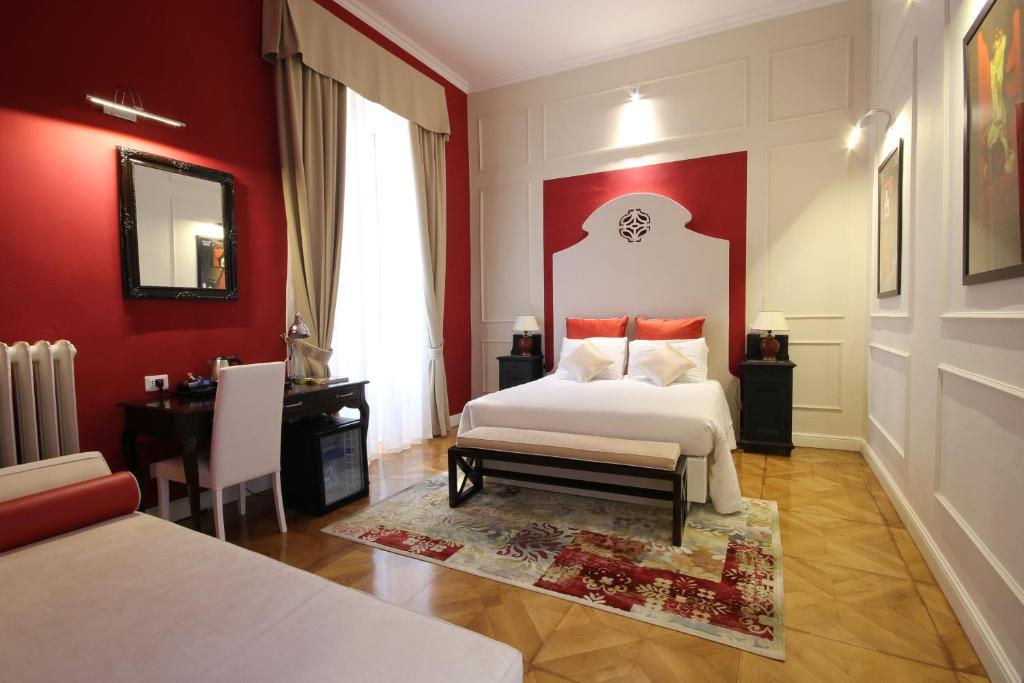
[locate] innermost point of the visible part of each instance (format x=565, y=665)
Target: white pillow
x=613, y=347
x=585, y=363
x=694, y=349
x=662, y=366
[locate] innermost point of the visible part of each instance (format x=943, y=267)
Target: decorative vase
x=769, y=348
x=526, y=345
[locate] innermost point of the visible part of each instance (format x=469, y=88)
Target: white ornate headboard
x=666, y=272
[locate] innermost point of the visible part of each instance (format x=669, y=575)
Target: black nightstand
x=766, y=413
x=516, y=370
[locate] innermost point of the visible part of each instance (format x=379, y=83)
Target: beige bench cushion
x=43, y=475
x=654, y=454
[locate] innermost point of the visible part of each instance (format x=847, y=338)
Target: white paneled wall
x=786, y=92
x=944, y=426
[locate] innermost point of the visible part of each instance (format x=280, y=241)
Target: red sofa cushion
x=56, y=511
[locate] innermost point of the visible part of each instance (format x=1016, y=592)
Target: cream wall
x=945, y=405
x=786, y=91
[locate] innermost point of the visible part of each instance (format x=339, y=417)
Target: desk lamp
x=296, y=331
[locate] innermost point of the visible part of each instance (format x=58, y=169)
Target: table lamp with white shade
x=525, y=325
x=770, y=321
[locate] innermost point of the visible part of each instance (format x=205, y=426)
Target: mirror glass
x=180, y=230
x=177, y=229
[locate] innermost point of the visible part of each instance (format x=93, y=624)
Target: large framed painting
x=890, y=223
x=993, y=139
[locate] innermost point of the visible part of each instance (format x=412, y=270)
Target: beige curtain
x=331, y=47
x=311, y=131
x=428, y=162
x=314, y=54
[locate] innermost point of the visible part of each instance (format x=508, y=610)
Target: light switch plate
x=151, y=382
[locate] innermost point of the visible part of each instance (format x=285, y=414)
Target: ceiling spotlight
x=126, y=104
x=858, y=128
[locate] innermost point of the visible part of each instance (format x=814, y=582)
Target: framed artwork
x=890, y=223
x=993, y=151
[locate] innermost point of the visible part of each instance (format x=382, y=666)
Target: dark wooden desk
x=189, y=422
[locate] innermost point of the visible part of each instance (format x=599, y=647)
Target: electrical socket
x=156, y=383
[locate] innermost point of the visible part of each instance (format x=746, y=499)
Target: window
x=380, y=329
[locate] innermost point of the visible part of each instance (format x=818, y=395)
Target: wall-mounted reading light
x=857, y=131
x=127, y=105
x=634, y=93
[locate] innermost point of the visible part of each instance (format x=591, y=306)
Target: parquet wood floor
x=861, y=604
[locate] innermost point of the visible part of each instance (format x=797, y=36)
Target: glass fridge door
x=343, y=464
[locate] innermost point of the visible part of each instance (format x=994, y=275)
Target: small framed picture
x=890, y=223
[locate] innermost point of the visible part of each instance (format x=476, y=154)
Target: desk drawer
x=307, y=404
x=342, y=397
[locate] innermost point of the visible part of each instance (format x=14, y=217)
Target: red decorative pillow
x=56, y=511
x=669, y=328
x=581, y=328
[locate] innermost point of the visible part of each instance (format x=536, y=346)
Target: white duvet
x=694, y=415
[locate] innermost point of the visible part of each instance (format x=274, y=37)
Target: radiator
x=38, y=417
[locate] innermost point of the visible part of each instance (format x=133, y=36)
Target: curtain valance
x=334, y=49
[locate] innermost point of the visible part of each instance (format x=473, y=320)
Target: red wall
x=197, y=61
x=713, y=188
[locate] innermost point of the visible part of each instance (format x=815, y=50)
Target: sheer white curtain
x=380, y=330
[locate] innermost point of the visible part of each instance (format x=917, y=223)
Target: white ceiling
x=480, y=44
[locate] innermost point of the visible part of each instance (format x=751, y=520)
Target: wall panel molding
x=815, y=316
x=488, y=268
x=1014, y=393
x=683, y=110
x=1002, y=316
x=805, y=67
x=505, y=132
x=982, y=548
x=792, y=226
x=960, y=598
x=876, y=422
x=838, y=407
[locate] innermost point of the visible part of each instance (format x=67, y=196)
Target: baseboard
x=837, y=443
x=989, y=649
x=453, y=420
x=179, y=507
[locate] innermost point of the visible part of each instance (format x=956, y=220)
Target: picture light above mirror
x=127, y=104
x=178, y=238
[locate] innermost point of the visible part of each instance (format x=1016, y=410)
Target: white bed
x=694, y=415
x=136, y=598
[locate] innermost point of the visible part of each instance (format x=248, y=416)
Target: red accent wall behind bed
x=194, y=60
x=713, y=188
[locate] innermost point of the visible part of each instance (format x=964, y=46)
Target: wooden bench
x=623, y=457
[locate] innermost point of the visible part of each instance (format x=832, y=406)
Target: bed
x=136, y=598
x=694, y=415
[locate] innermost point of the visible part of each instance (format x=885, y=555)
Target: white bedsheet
x=140, y=599
x=694, y=415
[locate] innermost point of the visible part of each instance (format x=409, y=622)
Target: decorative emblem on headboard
x=634, y=225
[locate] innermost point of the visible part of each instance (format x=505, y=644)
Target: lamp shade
x=770, y=321
x=525, y=323
x=298, y=329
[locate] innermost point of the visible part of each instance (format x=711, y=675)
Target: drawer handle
x=351, y=393
x=293, y=405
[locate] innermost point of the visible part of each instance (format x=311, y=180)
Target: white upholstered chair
x=246, y=441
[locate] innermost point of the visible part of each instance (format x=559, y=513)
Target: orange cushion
x=56, y=511
x=669, y=328
x=582, y=328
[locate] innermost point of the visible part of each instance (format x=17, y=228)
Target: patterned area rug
x=724, y=583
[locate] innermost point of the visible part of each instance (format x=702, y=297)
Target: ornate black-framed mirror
x=178, y=237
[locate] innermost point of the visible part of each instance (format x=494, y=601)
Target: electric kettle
x=221, y=362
